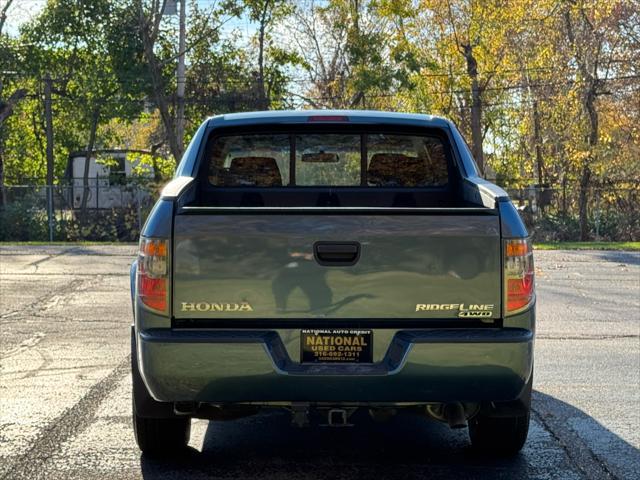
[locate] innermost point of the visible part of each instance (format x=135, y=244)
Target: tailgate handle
x=336, y=254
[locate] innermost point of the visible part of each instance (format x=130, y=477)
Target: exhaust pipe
x=454, y=415
x=184, y=408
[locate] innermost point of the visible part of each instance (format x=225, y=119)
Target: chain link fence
x=551, y=211
x=116, y=211
x=111, y=212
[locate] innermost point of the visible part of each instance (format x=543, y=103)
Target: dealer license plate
x=336, y=345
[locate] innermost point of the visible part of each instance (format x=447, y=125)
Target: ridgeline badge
x=464, y=311
x=216, y=307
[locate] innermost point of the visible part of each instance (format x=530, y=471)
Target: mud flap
x=519, y=407
x=143, y=403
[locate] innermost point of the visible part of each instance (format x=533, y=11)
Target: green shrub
x=24, y=219
x=118, y=224
x=610, y=225
x=615, y=225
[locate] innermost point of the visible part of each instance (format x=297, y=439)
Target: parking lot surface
x=65, y=386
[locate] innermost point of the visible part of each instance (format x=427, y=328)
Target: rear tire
x=161, y=435
x=495, y=432
x=499, y=436
x=157, y=429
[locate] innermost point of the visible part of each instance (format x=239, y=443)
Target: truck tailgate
x=336, y=264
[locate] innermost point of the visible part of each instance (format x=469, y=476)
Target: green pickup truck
x=324, y=262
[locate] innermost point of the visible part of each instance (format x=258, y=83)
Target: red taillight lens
x=153, y=273
x=518, y=275
x=153, y=292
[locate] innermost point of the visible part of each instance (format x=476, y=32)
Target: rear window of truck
x=327, y=159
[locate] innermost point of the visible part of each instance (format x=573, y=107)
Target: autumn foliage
x=546, y=92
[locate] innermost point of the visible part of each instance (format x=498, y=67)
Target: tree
x=220, y=72
x=160, y=55
x=265, y=13
x=321, y=43
x=82, y=45
x=547, y=92
x=8, y=60
x=345, y=50
x=591, y=35
x=462, y=49
x=150, y=18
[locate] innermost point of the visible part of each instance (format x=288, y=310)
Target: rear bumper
x=438, y=365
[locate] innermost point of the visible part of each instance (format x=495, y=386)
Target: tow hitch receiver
x=338, y=417
x=302, y=415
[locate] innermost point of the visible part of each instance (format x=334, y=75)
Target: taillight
x=518, y=275
x=153, y=273
x=327, y=118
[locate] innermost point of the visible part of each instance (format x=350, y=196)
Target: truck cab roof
x=327, y=116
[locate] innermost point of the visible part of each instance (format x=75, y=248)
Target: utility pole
x=48, y=118
x=181, y=80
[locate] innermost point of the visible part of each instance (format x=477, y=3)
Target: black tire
x=503, y=429
x=157, y=429
x=499, y=436
x=161, y=435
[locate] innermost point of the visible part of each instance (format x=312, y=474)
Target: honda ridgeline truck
x=324, y=262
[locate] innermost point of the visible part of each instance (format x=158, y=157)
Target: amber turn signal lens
x=516, y=248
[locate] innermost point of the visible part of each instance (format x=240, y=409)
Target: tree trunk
x=3, y=193
x=3, y=13
x=87, y=162
x=592, y=141
x=476, y=125
x=181, y=79
x=588, y=68
x=149, y=24
x=263, y=103
x=157, y=83
x=6, y=107
x=564, y=195
x=476, y=106
x=537, y=142
x=583, y=200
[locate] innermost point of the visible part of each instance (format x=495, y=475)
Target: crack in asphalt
x=37, y=307
x=53, y=298
x=25, y=345
x=130, y=250
x=37, y=304
x=52, y=371
x=66, y=426
x=578, y=453
x=51, y=256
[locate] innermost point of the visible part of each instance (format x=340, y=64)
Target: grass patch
x=587, y=246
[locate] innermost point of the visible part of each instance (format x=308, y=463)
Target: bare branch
x=6, y=107
x=3, y=13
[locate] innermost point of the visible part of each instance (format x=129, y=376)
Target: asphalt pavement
x=65, y=386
